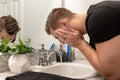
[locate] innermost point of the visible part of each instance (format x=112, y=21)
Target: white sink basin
x=72, y=70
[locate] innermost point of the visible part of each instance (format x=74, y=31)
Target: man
x=102, y=24
x=8, y=28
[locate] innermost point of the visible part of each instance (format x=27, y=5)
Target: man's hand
x=69, y=36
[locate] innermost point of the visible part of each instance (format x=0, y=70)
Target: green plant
x=11, y=48
x=4, y=47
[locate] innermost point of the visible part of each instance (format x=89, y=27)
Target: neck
x=80, y=22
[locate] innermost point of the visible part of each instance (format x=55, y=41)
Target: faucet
x=67, y=52
x=58, y=52
x=45, y=57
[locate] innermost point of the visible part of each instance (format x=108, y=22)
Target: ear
x=63, y=23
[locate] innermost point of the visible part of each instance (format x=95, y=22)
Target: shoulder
x=109, y=4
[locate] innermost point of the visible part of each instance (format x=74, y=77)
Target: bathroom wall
x=35, y=14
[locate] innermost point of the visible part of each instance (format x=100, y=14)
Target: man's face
x=5, y=34
x=63, y=24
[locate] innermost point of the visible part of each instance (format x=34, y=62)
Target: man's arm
x=106, y=57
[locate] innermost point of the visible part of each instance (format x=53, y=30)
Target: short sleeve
x=104, y=24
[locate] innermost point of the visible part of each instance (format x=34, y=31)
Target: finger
x=62, y=36
x=68, y=34
x=62, y=33
x=59, y=37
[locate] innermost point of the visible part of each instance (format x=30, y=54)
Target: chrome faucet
x=45, y=57
x=54, y=51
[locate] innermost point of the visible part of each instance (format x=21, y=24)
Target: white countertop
x=3, y=75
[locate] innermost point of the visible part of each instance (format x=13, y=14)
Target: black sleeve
x=103, y=23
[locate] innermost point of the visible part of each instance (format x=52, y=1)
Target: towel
x=30, y=75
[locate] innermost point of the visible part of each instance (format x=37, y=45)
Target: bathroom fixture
x=71, y=70
x=67, y=52
x=54, y=51
x=55, y=54
x=46, y=57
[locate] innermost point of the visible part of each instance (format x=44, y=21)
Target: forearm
x=91, y=55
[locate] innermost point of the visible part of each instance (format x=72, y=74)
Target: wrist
x=81, y=44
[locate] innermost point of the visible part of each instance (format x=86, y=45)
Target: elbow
x=106, y=75
x=111, y=76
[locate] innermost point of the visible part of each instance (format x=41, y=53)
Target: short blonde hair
x=55, y=15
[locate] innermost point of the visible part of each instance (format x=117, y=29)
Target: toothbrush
x=52, y=47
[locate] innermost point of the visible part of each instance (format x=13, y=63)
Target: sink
x=71, y=70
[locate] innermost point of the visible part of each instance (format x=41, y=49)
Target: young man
x=102, y=24
x=8, y=28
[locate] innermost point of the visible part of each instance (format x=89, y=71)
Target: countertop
x=3, y=75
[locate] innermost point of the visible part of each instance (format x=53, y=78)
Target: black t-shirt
x=103, y=21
